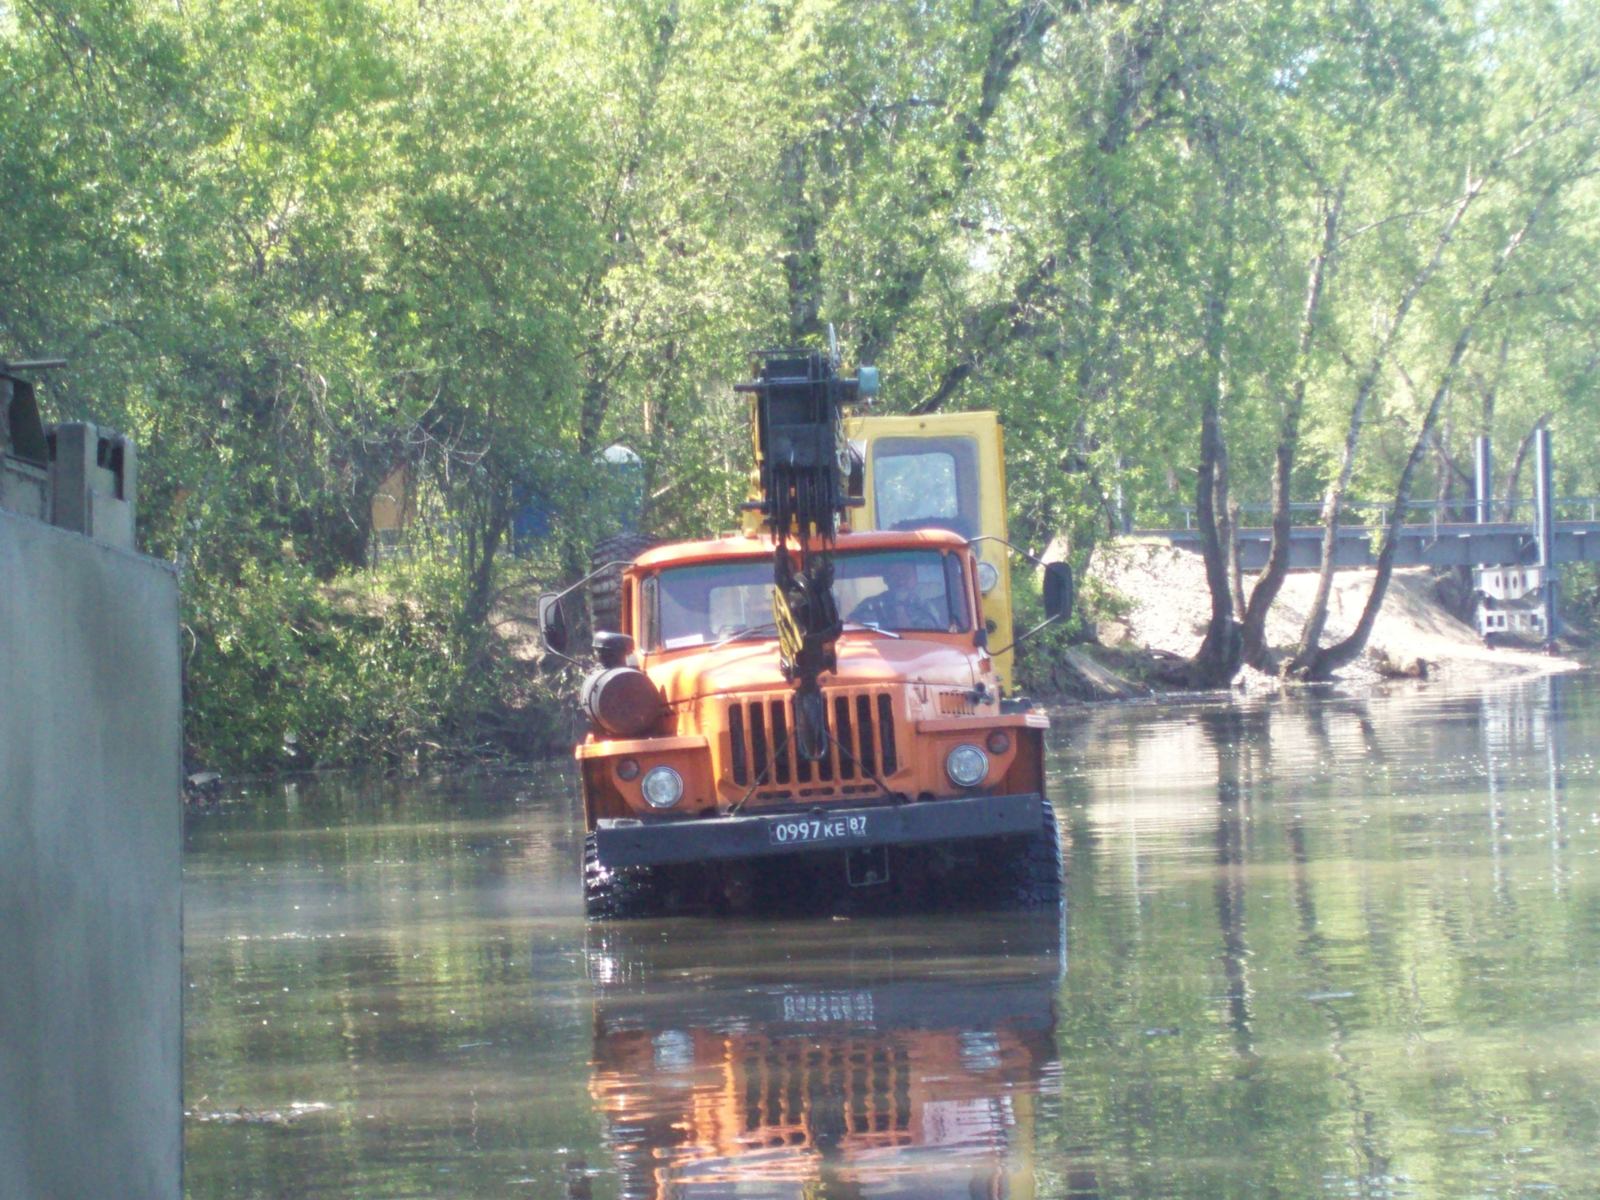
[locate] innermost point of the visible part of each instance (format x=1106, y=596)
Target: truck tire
x=605, y=589
x=1036, y=878
x=617, y=894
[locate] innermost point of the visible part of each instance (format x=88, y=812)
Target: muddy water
x=1329, y=947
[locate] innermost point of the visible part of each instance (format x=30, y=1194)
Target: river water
x=1315, y=947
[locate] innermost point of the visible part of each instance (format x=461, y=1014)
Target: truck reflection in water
x=819, y=1061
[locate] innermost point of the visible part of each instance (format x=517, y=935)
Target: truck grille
x=866, y=1086
x=861, y=740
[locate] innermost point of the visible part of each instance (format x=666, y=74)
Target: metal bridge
x=1436, y=537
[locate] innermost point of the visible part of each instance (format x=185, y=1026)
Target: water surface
x=1322, y=947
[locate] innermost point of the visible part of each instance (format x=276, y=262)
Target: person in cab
x=898, y=607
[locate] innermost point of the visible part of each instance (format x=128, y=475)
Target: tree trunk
x=1235, y=567
x=485, y=544
x=992, y=329
x=1325, y=662
x=592, y=411
x=1333, y=500
x=1514, y=479
x=1253, y=633
x=1451, y=472
x=1218, y=659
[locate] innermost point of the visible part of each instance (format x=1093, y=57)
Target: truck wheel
x=1036, y=878
x=605, y=589
x=619, y=894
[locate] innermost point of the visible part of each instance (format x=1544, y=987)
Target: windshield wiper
x=874, y=626
x=746, y=631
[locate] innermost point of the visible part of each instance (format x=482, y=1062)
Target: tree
x=1329, y=659
x=1546, y=130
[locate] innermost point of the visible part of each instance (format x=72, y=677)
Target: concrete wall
x=90, y=844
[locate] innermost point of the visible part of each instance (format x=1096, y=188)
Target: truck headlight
x=966, y=765
x=662, y=787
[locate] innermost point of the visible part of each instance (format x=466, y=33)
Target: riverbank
x=1155, y=608
x=386, y=682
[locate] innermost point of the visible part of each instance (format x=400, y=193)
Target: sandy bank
x=1162, y=605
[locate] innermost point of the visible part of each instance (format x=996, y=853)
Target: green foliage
x=1579, y=598
x=1038, y=657
x=279, y=669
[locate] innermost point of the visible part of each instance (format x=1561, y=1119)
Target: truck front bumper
x=631, y=843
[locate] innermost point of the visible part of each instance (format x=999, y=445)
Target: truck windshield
x=890, y=589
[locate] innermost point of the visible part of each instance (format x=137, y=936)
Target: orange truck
x=809, y=713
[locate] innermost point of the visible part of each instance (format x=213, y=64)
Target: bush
x=282, y=670
x=1036, y=657
x=1579, y=599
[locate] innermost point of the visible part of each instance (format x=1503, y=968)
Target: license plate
x=798, y=831
x=813, y=1008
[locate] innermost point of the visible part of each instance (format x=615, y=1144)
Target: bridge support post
x=1483, y=479
x=1544, y=515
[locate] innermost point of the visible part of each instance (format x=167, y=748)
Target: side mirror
x=1057, y=591
x=553, y=623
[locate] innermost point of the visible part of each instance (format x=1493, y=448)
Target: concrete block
x=24, y=456
x=93, y=482
x=90, y=845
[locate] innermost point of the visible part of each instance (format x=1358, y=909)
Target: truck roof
x=741, y=546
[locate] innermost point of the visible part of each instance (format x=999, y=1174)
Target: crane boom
x=807, y=480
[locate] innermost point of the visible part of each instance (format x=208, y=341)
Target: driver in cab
x=899, y=607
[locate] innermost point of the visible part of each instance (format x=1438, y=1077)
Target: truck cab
x=914, y=681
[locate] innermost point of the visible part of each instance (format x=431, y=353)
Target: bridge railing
x=1369, y=514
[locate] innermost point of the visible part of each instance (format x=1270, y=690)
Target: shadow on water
x=890, y=1058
